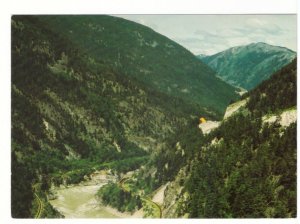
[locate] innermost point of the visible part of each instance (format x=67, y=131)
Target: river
x=79, y=201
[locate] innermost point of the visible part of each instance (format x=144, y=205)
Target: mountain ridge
x=84, y=105
x=248, y=65
x=138, y=51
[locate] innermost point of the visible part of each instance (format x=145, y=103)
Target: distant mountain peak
x=248, y=65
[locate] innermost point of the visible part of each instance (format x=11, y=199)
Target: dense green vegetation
x=178, y=151
x=84, y=99
x=248, y=173
x=73, y=114
x=249, y=170
x=132, y=193
x=111, y=194
x=245, y=167
x=137, y=51
x=247, y=66
x=268, y=97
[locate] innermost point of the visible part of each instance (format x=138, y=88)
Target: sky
x=210, y=34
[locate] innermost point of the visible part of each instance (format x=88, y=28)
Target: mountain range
x=247, y=66
x=94, y=93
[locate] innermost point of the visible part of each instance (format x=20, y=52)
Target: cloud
x=190, y=43
x=203, y=45
x=254, y=30
x=205, y=33
x=229, y=32
x=209, y=34
x=262, y=27
x=255, y=22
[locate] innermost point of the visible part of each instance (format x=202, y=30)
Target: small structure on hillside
x=202, y=120
x=207, y=126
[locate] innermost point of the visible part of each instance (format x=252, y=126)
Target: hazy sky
x=209, y=34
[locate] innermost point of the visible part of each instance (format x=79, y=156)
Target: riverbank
x=79, y=200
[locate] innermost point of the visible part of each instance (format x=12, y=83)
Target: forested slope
x=247, y=66
x=73, y=114
x=138, y=51
x=244, y=168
